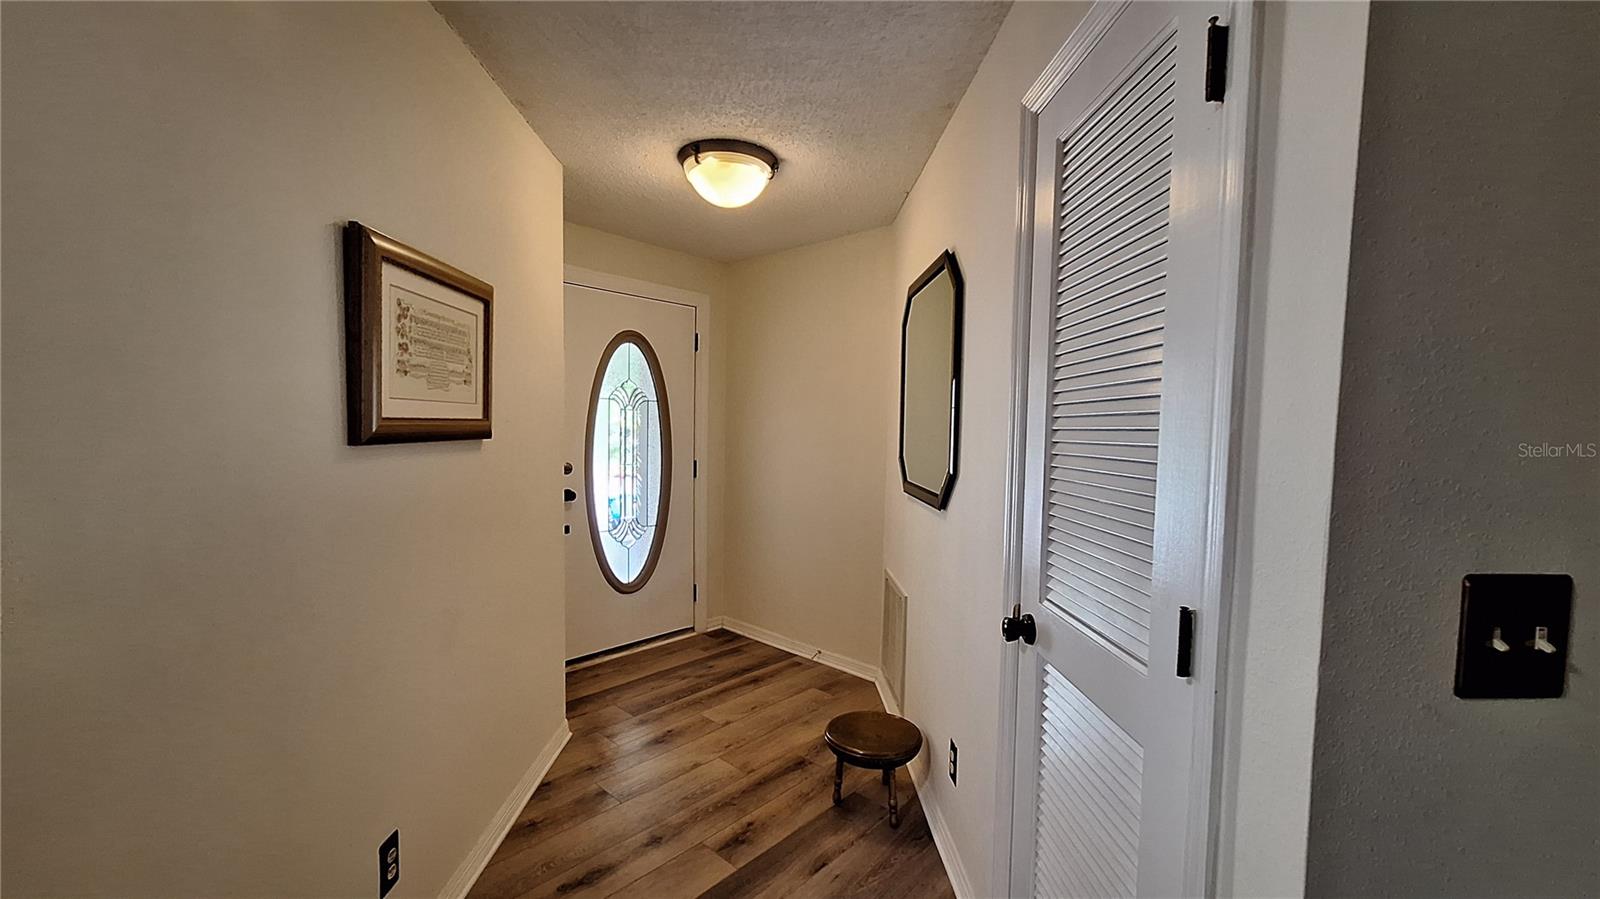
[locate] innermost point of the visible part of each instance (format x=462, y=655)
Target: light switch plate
x=1513, y=638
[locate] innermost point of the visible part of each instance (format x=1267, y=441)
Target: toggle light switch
x=1513, y=638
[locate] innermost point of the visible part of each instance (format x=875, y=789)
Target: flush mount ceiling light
x=727, y=173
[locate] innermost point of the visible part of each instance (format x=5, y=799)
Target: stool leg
x=894, y=805
x=838, y=780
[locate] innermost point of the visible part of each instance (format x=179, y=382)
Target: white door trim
x=583, y=277
x=1239, y=114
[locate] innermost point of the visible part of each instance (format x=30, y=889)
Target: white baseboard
x=889, y=704
x=478, y=859
x=608, y=656
x=806, y=650
x=942, y=840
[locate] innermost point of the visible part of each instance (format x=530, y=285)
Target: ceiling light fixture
x=727, y=173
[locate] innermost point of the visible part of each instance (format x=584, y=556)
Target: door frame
x=1206, y=800
x=701, y=303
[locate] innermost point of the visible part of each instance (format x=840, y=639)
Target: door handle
x=1014, y=626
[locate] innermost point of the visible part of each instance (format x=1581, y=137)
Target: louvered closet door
x=1124, y=371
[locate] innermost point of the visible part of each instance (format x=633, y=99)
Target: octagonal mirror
x=930, y=382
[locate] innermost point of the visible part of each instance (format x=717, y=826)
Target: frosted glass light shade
x=728, y=174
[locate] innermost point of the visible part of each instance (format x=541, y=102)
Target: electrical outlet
x=952, y=761
x=388, y=864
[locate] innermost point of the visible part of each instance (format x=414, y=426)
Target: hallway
x=696, y=768
x=477, y=449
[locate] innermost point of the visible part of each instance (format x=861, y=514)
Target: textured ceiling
x=851, y=96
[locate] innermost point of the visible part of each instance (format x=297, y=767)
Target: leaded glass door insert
x=630, y=462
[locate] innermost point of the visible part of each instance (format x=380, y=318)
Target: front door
x=630, y=442
x=1130, y=372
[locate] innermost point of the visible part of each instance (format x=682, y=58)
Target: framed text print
x=418, y=340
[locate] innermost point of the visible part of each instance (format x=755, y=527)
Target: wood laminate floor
x=697, y=768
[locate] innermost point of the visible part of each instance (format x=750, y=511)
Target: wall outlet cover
x=388, y=864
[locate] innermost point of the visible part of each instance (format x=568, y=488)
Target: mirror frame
x=938, y=497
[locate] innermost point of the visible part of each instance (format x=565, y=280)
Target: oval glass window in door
x=629, y=480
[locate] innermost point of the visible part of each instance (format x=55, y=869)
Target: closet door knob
x=1013, y=626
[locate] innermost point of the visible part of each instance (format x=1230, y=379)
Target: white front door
x=1130, y=374
x=630, y=442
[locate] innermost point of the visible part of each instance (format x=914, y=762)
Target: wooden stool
x=874, y=740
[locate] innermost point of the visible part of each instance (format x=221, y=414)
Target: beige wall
x=951, y=563
x=613, y=255
x=238, y=653
x=811, y=348
x=602, y=251
x=801, y=383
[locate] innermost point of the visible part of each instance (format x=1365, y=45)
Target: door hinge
x=1216, y=61
x=694, y=469
x=697, y=341
x=696, y=592
x=1185, y=642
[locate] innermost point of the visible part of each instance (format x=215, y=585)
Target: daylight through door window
x=629, y=461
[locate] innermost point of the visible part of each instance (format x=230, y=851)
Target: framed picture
x=419, y=335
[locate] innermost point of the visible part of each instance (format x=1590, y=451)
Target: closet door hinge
x=1216, y=61
x=694, y=469
x=697, y=341
x=696, y=592
x=1185, y=642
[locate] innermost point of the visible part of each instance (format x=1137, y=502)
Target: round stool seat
x=873, y=739
x=876, y=740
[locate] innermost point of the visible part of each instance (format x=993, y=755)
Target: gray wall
x=1473, y=327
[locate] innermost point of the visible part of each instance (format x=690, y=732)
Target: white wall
x=951, y=563
x=1309, y=113
x=1470, y=341
x=601, y=251
x=238, y=653
x=808, y=336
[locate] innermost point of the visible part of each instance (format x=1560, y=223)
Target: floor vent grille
x=894, y=639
